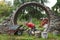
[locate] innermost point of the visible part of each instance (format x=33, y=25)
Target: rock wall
x=54, y=21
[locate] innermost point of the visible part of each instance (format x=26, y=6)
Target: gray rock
x=56, y=33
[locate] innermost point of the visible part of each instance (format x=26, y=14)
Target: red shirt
x=30, y=24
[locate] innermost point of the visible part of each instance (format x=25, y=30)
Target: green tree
x=56, y=8
x=5, y=10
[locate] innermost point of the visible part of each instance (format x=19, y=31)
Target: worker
x=44, y=23
x=31, y=27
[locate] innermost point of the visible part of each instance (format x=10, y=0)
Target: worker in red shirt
x=32, y=28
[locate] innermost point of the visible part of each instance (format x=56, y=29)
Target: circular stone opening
x=30, y=11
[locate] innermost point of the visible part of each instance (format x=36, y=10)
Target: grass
x=27, y=37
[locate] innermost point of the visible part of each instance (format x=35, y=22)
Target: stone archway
x=51, y=15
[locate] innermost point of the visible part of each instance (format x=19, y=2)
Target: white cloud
x=51, y=3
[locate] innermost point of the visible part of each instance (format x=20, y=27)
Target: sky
x=11, y=1
x=50, y=3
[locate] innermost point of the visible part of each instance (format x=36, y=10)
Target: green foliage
x=37, y=14
x=57, y=8
x=5, y=10
x=16, y=3
x=36, y=21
